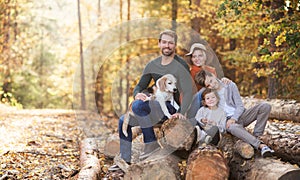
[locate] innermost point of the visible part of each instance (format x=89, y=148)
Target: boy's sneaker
x=266, y=152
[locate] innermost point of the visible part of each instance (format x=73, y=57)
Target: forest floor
x=44, y=144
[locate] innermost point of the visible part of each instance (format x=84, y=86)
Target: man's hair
x=207, y=91
x=201, y=76
x=170, y=33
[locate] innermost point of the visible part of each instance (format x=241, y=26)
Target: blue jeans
x=147, y=114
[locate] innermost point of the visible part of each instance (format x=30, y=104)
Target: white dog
x=165, y=89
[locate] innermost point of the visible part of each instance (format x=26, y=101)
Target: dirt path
x=44, y=144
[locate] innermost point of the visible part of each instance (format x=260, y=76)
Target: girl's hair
x=207, y=91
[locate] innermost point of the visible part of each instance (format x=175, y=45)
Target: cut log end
x=207, y=163
x=178, y=134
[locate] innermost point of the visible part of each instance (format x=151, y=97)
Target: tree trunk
x=267, y=169
x=165, y=168
x=281, y=109
x=196, y=21
x=89, y=163
x=207, y=163
x=83, y=103
x=284, y=138
x=177, y=134
x=276, y=65
x=112, y=145
x=127, y=56
x=174, y=14
x=254, y=168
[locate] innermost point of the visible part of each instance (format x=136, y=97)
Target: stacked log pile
x=284, y=138
x=233, y=158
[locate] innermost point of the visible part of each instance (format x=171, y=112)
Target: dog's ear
x=161, y=83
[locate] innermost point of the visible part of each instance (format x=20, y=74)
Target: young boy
x=237, y=116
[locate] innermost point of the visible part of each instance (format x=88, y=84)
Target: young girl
x=211, y=117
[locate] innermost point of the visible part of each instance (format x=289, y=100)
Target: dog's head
x=167, y=83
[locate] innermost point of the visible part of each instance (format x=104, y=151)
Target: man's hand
x=229, y=122
x=140, y=96
x=178, y=116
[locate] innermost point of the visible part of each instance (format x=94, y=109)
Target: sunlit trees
x=267, y=34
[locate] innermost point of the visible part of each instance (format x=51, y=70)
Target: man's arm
x=142, y=84
x=186, y=86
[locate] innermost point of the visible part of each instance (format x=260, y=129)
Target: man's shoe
x=114, y=168
x=149, y=149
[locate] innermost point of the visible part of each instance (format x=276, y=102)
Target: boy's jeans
x=147, y=114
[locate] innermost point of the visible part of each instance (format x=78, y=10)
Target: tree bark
x=174, y=14
x=177, y=133
x=164, y=168
x=89, y=163
x=254, y=168
x=268, y=169
x=281, y=109
x=82, y=76
x=284, y=138
x=112, y=145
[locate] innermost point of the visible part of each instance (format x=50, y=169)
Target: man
x=237, y=116
x=148, y=113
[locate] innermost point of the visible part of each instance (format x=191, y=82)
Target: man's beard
x=169, y=53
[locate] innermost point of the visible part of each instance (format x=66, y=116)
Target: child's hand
x=204, y=121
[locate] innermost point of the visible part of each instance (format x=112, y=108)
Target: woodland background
x=52, y=52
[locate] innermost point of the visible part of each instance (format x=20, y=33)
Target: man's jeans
x=147, y=114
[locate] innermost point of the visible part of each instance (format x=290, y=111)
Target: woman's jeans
x=147, y=114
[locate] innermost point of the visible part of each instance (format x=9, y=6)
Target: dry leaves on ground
x=44, y=144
